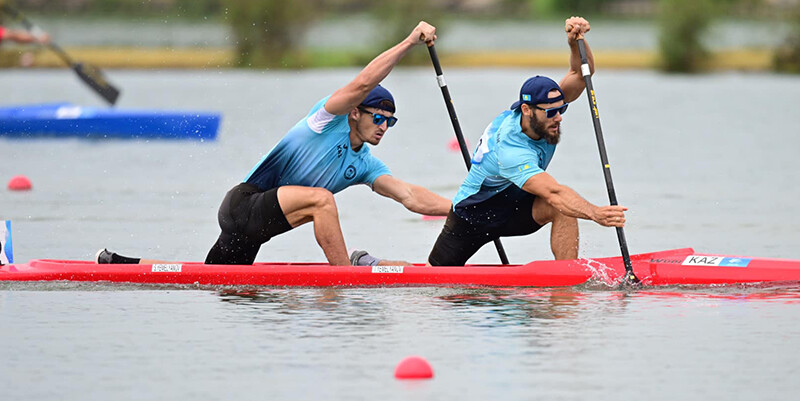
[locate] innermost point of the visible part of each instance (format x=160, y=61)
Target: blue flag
x=735, y=262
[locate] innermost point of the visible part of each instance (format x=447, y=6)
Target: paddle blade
x=95, y=79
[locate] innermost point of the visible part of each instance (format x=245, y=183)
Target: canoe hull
x=295, y=274
x=675, y=267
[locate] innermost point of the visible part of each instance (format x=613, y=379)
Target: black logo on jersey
x=350, y=172
x=340, y=149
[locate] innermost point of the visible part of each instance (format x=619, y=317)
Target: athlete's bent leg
x=564, y=236
x=301, y=205
x=457, y=242
x=232, y=249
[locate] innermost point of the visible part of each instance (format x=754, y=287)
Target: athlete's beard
x=540, y=129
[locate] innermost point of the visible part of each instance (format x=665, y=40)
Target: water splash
x=602, y=275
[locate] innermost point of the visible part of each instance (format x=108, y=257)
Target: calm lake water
x=705, y=161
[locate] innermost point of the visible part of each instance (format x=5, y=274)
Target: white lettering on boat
x=387, y=269
x=694, y=260
x=166, y=268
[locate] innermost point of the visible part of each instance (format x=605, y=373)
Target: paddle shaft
x=462, y=144
x=612, y=195
x=90, y=75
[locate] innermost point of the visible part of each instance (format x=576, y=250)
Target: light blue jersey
x=504, y=156
x=316, y=152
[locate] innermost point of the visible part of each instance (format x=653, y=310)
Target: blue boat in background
x=64, y=120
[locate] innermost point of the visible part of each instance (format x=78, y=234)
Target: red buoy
x=454, y=146
x=20, y=183
x=413, y=367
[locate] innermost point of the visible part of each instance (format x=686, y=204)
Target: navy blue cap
x=535, y=90
x=379, y=98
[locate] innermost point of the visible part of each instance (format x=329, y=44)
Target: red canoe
x=674, y=267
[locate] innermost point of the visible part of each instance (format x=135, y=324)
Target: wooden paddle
x=630, y=277
x=457, y=127
x=92, y=76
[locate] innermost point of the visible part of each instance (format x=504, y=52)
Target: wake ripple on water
x=603, y=277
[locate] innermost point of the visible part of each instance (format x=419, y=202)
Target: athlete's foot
x=362, y=258
x=104, y=256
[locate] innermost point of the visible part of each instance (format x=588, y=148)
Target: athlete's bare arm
x=345, y=99
x=26, y=37
x=414, y=197
x=568, y=202
x=572, y=84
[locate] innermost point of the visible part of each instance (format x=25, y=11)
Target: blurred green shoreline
x=206, y=34
x=213, y=58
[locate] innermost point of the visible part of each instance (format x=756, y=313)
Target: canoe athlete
x=324, y=153
x=19, y=36
x=507, y=192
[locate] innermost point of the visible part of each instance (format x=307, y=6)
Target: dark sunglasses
x=378, y=119
x=552, y=111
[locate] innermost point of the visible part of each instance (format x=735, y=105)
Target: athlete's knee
x=302, y=205
x=544, y=212
x=322, y=200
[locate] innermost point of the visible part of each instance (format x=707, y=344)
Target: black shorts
x=507, y=214
x=248, y=218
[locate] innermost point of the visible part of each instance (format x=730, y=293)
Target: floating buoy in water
x=453, y=145
x=413, y=367
x=20, y=183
